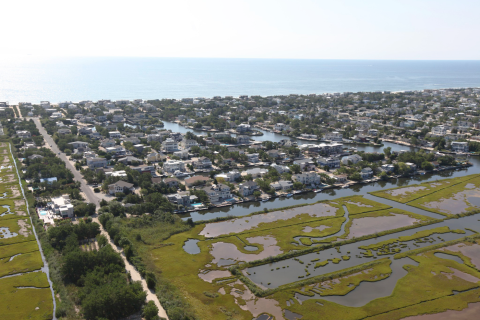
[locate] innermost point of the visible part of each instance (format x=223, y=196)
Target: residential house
x=182, y=154
x=24, y=134
x=169, y=145
x=354, y=158
x=247, y=188
x=329, y=162
x=366, y=173
x=243, y=139
x=202, y=163
x=180, y=198
x=255, y=172
x=78, y=144
x=114, y=134
x=218, y=192
x=282, y=185
x=305, y=164
x=93, y=163
x=459, y=146
x=230, y=176
x=171, y=166
x=120, y=186
x=253, y=157
x=307, y=178
x=280, y=169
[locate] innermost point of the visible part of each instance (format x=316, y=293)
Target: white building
x=307, y=178
x=354, y=158
x=173, y=165
x=218, y=193
x=169, y=145
x=333, y=136
x=114, y=135
x=230, y=176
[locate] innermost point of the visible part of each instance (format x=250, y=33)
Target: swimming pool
x=197, y=204
x=43, y=213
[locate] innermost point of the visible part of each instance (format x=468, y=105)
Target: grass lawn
x=409, y=193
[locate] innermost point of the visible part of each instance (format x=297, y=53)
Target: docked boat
x=180, y=174
x=289, y=195
x=318, y=190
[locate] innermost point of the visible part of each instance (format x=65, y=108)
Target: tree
x=257, y=194
x=387, y=151
x=297, y=185
x=427, y=166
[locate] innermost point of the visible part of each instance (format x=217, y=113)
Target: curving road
x=92, y=198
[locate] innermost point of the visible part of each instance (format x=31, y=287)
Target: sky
x=279, y=29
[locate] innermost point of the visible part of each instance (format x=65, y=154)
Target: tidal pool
x=5, y=233
x=209, y=276
x=369, y=225
x=229, y=251
x=405, y=191
x=241, y=224
x=470, y=251
x=448, y=257
x=6, y=212
x=457, y=203
x=191, y=246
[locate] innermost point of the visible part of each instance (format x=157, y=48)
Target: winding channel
x=45, y=268
x=339, y=233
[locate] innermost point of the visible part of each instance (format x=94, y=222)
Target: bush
x=151, y=280
x=150, y=311
x=96, y=190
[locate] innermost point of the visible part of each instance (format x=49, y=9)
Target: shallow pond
x=216, y=229
x=5, y=233
x=449, y=257
x=370, y=225
x=191, y=246
x=6, y=212
x=229, y=251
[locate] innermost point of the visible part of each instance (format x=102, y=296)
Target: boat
x=345, y=186
x=318, y=190
x=289, y=195
x=264, y=199
x=179, y=174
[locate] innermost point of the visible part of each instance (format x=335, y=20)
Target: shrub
x=96, y=190
x=150, y=311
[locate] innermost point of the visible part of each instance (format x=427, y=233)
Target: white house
x=333, y=136
x=354, y=158
x=307, y=178
x=459, y=146
x=114, y=135
x=230, y=176
x=218, y=193
x=93, y=163
x=120, y=186
x=173, y=165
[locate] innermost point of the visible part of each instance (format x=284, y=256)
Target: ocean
x=34, y=79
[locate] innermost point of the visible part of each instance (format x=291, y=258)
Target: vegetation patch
x=409, y=193
x=23, y=262
x=26, y=296
x=453, y=200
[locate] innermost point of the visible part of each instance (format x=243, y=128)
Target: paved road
x=92, y=198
